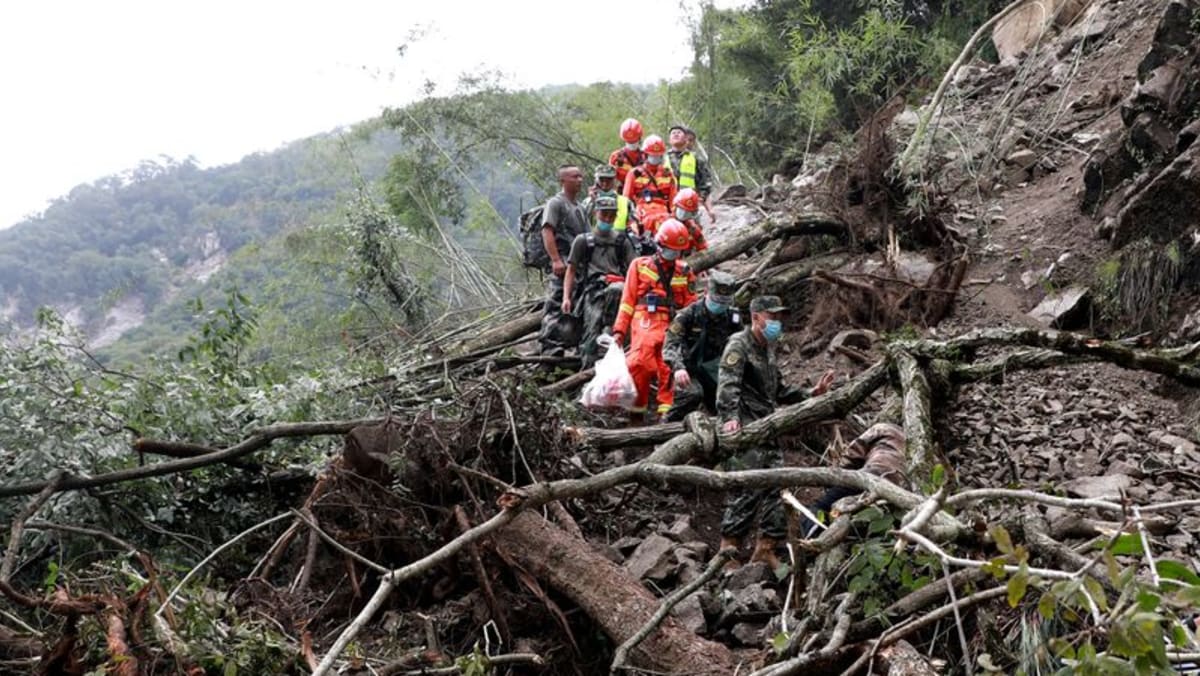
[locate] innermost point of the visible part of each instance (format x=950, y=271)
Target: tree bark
x=503, y=333
x=779, y=279
x=612, y=597
x=772, y=227
x=918, y=422
x=1167, y=362
x=835, y=404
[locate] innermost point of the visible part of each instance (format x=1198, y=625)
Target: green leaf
x=1017, y=586
x=939, y=475
x=51, y=579
x=1062, y=648
x=996, y=568
x=1047, y=604
x=1127, y=544
x=1002, y=538
x=779, y=642
x=1110, y=565
x=881, y=525
x=1097, y=592
x=1148, y=601
x=1180, y=636
x=1174, y=570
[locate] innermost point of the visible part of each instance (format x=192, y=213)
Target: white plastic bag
x=612, y=387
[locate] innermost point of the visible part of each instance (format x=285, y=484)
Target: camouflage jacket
x=749, y=385
x=879, y=451
x=697, y=336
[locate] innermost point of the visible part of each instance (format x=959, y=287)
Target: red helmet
x=631, y=131
x=654, y=145
x=688, y=200
x=673, y=235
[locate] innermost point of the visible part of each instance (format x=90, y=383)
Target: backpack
x=592, y=244
x=533, y=251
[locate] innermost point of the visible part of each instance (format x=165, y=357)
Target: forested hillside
x=151, y=230
x=959, y=243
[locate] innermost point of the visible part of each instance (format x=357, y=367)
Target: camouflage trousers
x=558, y=331
x=597, y=309
x=760, y=506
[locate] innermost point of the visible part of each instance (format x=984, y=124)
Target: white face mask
x=631, y=146
x=654, y=159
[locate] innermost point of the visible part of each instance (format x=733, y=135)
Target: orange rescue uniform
x=624, y=161
x=652, y=188
x=697, y=234
x=644, y=317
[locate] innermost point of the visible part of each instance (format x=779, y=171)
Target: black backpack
x=532, y=249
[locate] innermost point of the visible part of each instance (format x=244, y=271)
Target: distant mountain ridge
x=109, y=252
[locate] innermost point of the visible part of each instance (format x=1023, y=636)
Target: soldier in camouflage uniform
x=749, y=387
x=595, y=277
x=878, y=451
x=695, y=342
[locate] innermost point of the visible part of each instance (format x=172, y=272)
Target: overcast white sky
x=91, y=88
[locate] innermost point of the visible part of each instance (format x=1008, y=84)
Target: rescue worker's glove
x=619, y=338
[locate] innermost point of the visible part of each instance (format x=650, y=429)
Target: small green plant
x=875, y=572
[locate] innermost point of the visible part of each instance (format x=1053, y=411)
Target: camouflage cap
x=767, y=304
x=605, y=171
x=722, y=284
x=606, y=202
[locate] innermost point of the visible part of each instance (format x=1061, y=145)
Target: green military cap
x=606, y=202
x=680, y=127
x=767, y=304
x=605, y=171
x=721, y=283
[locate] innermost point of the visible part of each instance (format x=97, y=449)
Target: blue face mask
x=773, y=330
x=654, y=159
x=668, y=254
x=684, y=215
x=715, y=308
x=603, y=226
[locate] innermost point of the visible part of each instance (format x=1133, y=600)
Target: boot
x=731, y=543
x=764, y=552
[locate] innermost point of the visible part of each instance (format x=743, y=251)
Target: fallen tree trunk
x=780, y=279
x=609, y=595
x=1164, y=362
x=918, y=422
x=260, y=439
x=772, y=227
x=503, y=333
x=835, y=404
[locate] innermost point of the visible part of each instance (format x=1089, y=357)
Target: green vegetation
x=783, y=76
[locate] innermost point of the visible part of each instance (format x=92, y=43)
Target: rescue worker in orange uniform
x=687, y=209
x=630, y=155
x=655, y=288
x=651, y=186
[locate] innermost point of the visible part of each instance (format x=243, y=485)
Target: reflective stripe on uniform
x=643, y=270
x=626, y=308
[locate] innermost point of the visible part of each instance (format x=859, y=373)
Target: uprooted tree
x=475, y=519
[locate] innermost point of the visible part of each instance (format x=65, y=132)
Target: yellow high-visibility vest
x=687, y=170
x=622, y=219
